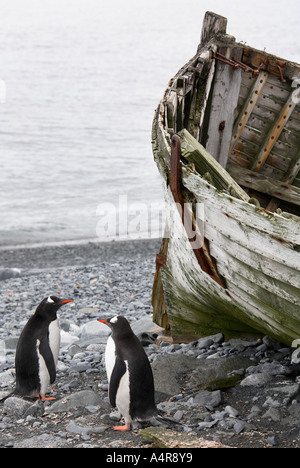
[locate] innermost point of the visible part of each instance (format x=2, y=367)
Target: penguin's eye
x=49, y=300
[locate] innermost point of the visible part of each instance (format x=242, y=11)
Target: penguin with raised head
x=131, y=384
x=37, y=350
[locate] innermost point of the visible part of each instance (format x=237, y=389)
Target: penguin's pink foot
x=126, y=427
x=43, y=398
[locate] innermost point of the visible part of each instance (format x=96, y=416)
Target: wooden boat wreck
x=226, y=140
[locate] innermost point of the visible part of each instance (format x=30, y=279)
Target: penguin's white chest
x=110, y=357
x=123, y=396
x=54, y=343
x=123, y=391
x=54, y=339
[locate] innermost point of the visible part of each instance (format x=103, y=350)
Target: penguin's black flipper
x=46, y=352
x=117, y=373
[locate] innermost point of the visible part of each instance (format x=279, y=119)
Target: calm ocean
x=79, y=83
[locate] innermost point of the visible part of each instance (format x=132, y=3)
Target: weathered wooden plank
x=252, y=260
x=160, y=316
x=293, y=170
x=289, y=178
x=264, y=184
x=247, y=108
x=194, y=152
x=228, y=262
x=248, y=146
x=227, y=83
x=275, y=305
x=256, y=59
x=212, y=24
x=284, y=229
x=204, y=72
x=258, y=242
x=171, y=109
x=294, y=98
x=256, y=313
x=274, y=95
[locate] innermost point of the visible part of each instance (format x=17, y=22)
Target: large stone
x=256, y=380
x=76, y=400
x=168, y=369
x=16, y=407
x=94, y=328
x=145, y=324
x=208, y=399
x=167, y=438
x=75, y=428
x=272, y=368
x=6, y=379
x=42, y=441
x=9, y=273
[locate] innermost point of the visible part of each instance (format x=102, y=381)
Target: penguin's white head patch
x=49, y=300
x=114, y=319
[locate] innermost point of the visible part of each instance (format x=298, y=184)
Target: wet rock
x=272, y=441
x=238, y=427
x=42, y=441
x=35, y=410
x=256, y=380
x=165, y=372
x=271, y=368
x=16, y=407
x=208, y=399
x=168, y=368
x=6, y=379
x=94, y=328
x=8, y=273
x=296, y=356
x=85, y=432
x=166, y=438
x=76, y=400
x=274, y=414
x=231, y=411
x=272, y=403
x=143, y=325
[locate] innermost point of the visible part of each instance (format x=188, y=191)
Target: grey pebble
x=238, y=427
x=272, y=441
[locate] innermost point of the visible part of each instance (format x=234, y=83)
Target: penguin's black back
x=141, y=383
x=26, y=360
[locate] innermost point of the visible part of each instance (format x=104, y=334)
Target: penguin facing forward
x=131, y=385
x=37, y=350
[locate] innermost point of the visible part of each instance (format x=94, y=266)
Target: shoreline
x=72, y=253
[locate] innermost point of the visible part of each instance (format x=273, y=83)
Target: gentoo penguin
x=37, y=350
x=131, y=385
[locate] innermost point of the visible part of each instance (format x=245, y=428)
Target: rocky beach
x=236, y=393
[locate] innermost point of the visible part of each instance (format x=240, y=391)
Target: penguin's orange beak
x=65, y=301
x=104, y=321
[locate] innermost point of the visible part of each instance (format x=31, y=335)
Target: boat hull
x=255, y=253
